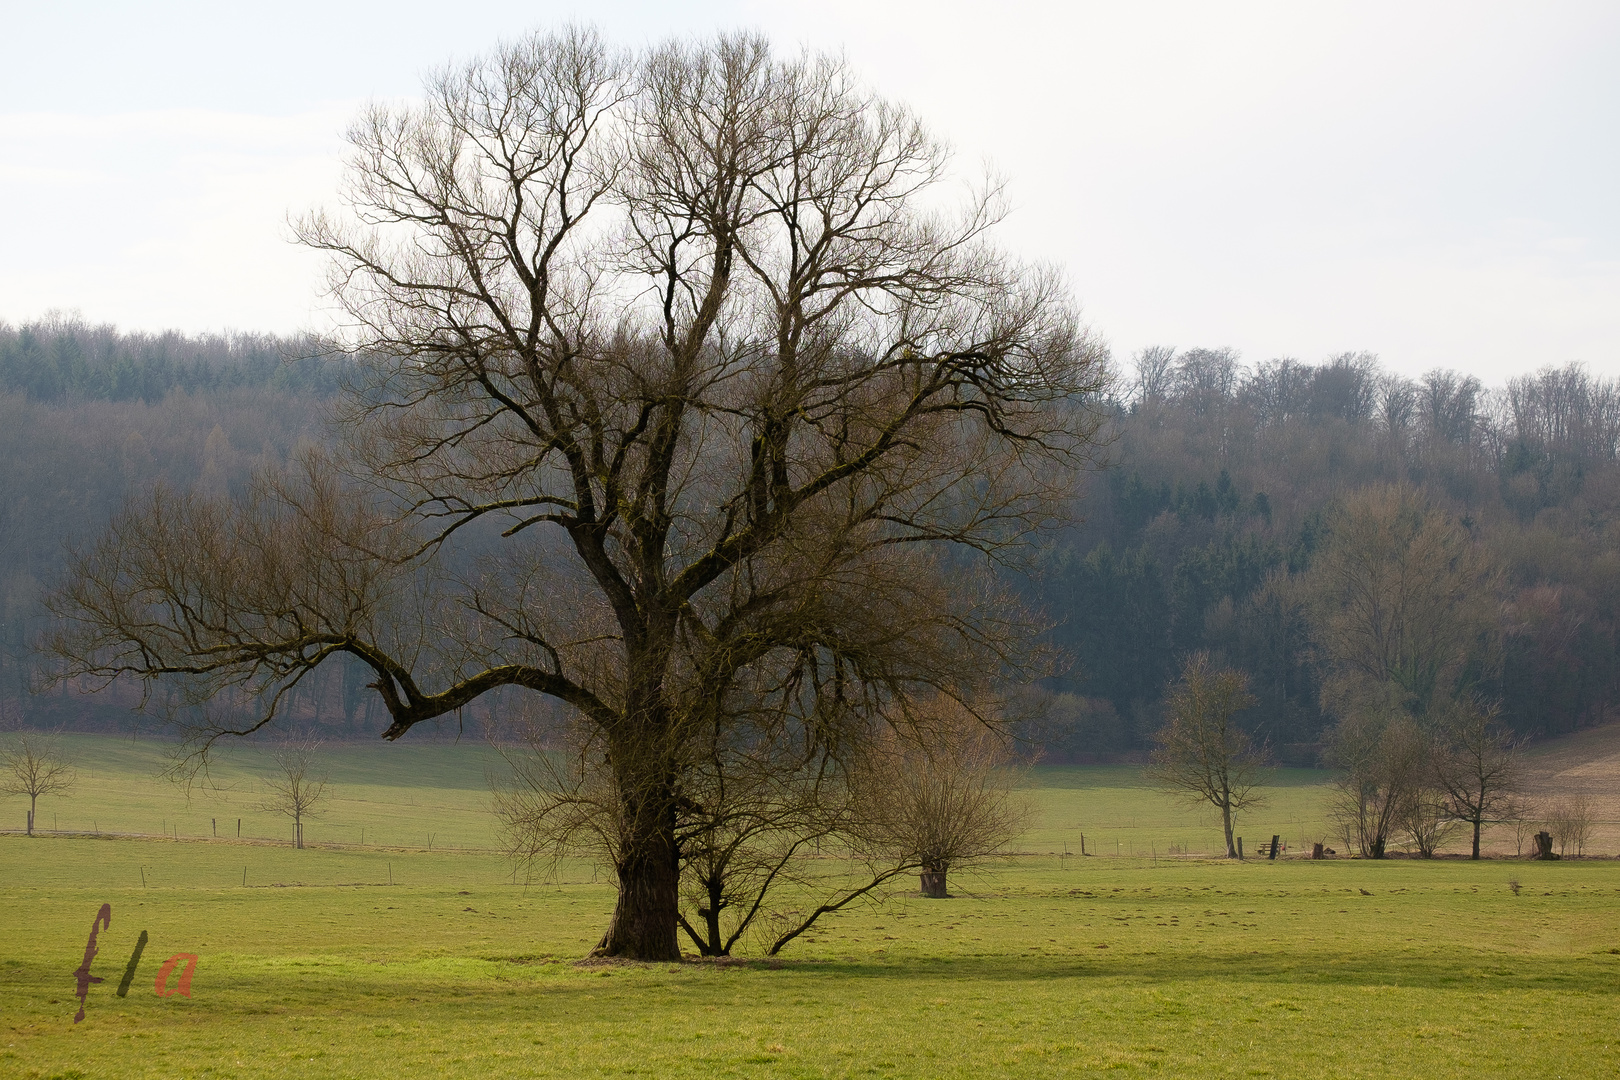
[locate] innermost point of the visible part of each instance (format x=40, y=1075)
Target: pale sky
x=1438, y=183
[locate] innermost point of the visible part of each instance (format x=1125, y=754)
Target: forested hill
x=1222, y=489
x=89, y=416
x=1225, y=481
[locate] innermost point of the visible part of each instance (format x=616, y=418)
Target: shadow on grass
x=1081, y=777
x=1440, y=970
x=501, y=978
x=558, y=991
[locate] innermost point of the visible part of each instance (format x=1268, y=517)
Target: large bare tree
x=1203, y=753
x=698, y=354
x=1402, y=602
x=1401, y=597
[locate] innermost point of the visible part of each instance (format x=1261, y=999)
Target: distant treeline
x=1225, y=478
x=1222, y=487
x=90, y=417
x=60, y=359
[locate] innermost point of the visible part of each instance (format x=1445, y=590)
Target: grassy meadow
x=1045, y=964
x=436, y=795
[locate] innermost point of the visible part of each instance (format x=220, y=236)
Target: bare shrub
x=1570, y=821
x=295, y=788
x=1525, y=825
x=1383, y=754
x=1426, y=821
x=941, y=802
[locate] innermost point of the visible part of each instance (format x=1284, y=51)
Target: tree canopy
x=683, y=378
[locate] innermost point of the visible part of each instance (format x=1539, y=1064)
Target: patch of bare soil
x=1584, y=763
x=1587, y=761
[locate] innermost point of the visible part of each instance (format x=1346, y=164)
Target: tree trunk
x=1226, y=824
x=646, y=919
x=1477, y=824
x=33, y=808
x=933, y=884
x=711, y=921
x=298, y=833
x=713, y=942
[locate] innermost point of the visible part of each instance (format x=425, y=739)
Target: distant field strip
x=410, y=796
x=384, y=796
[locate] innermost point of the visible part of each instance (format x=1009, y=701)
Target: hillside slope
x=1583, y=763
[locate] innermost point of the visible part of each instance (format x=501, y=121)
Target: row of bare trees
x=1399, y=777
x=1401, y=603
x=757, y=834
x=1567, y=413
x=1421, y=781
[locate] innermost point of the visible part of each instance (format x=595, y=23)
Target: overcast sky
x=1438, y=183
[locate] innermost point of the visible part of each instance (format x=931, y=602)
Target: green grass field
x=399, y=795
x=410, y=796
x=1043, y=965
